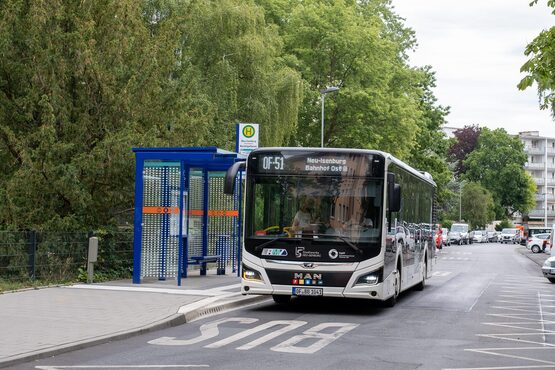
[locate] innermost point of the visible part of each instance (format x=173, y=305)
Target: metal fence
x=57, y=257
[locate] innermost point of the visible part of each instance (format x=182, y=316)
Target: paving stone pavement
x=41, y=322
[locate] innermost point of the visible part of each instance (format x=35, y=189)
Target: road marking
x=289, y=325
x=441, y=273
x=314, y=333
x=528, y=312
x=55, y=367
x=207, y=331
x=210, y=330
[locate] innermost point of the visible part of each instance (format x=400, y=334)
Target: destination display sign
x=317, y=163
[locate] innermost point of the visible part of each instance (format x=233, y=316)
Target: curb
x=184, y=315
x=533, y=257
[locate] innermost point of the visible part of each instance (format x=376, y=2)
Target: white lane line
x=503, y=367
x=55, y=367
x=542, y=329
x=520, y=317
x=541, y=313
x=479, y=296
x=491, y=352
x=503, y=337
x=518, y=309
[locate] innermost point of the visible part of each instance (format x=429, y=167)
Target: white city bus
x=366, y=229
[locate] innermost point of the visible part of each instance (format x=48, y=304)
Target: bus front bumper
x=357, y=291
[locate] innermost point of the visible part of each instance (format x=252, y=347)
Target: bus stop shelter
x=182, y=216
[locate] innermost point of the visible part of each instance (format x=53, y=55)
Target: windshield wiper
x=343, y=239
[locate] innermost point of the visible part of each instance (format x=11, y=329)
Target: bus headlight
x=249, y=274
x=372, y=278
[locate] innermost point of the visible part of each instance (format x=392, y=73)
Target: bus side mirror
x=229, y=182
x=393, y=193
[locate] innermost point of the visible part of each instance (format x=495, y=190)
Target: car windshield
x=508, y=231
x=477, y=232
x=459, y=228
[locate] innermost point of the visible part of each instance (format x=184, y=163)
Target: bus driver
x=303, y=217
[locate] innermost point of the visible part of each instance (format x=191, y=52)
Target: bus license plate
x=313, y=292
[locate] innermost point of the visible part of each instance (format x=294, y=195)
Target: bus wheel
x=391, y=301
x=420, y=286
x=281, y=299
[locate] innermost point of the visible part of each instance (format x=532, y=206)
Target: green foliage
x=359, y=47
x=477, y=205
x=497, y=164
x=504, y=224
x=81, y=83
x=540, y=67
x=447, y=223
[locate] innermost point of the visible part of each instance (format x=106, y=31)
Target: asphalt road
x=485, y=307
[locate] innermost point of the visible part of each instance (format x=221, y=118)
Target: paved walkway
x=39, y=322
x=538, y=258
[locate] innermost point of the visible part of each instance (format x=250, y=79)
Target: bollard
x=93, y=255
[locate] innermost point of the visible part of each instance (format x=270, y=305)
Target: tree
x=497, y=164
x=540, y=67
x=81, y=83
x=465, y=142
x=477, y=205
x=238, y=59
x=359, y=46
x=430, y=153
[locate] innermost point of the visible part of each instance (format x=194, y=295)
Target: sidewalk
x=538, y=258
x=43, y=322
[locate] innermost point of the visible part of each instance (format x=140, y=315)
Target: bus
x=367, y=224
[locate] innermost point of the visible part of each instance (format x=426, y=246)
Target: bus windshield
x=316, y=207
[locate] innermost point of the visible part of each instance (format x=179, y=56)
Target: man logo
x=333, y=254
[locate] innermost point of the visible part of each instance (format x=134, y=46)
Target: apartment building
x=541, y=166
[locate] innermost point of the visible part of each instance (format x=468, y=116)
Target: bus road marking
x=315, y=336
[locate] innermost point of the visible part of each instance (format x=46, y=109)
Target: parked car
x=480, y=236
x=460, y=234
x=492, y=236
x=510, y=235
x=538, y=242
x=445, y=236
x=548, y=269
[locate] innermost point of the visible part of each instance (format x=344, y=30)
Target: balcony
x=535, y=150
x=535, y=166
x=541, y=213
x=541, y=197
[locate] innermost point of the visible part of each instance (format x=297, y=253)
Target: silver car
x=548, y=269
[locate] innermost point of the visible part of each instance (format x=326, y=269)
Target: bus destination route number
x=273, y=163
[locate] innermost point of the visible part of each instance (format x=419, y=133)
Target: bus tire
x=421, y=285
x=391, y=301
x=281, y=299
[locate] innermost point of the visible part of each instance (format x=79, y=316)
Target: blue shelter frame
x=182, y=216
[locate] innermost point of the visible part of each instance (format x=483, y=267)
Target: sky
x=476, y=48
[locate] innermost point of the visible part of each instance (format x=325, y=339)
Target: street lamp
x=323, y=93
x=461, y=183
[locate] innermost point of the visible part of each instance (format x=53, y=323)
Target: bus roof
x=421, y=174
